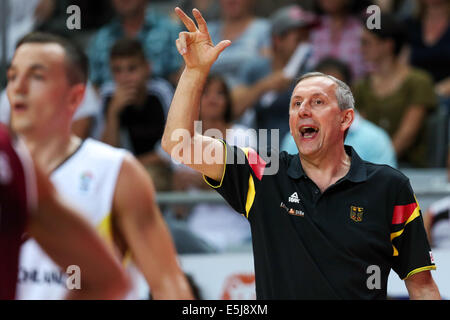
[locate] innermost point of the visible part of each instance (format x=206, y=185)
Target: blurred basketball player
x=29, y=203
x=46, y=82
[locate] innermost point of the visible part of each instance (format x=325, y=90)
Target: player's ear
x=76, y=95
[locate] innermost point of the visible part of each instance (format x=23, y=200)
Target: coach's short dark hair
x=126, y=48
x=76, y=59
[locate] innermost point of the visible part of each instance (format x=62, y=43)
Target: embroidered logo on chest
x=292, y=211
x=356, y=213
x=294, y=198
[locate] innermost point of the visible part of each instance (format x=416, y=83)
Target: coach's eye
x=317, y=101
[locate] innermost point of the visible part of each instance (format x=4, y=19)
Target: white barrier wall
x=227, y=276
x=231, y=275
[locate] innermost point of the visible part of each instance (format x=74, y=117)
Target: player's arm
x=146, y=234
x=421, y=286
x=180, y=139
x=69, y=240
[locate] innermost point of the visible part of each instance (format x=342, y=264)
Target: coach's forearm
x=426, y=293
x=185, y=106
x=421, y=286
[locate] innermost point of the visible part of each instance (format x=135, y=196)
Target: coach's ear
x=75, y=96
x=347, y=119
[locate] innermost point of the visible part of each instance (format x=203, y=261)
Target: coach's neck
x=326, y=167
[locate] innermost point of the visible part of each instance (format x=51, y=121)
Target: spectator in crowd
x=371, y=142
x=249, y=35
x=216, y=224
x=23, y=17
x=19, y=17
x=94, y=15
x=429, y=39
x=210, y=8
x=395, y=96
x=402, y=9
x=339, y=35
x=264, y=91
x=267, y=7
x=136, y=19
x=437, y=218
x=135, y=108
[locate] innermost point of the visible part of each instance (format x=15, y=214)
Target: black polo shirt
x=330, y=245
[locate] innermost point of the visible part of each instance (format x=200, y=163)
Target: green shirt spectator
x=388, y=111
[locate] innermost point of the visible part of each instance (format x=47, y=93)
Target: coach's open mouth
x=308, y=132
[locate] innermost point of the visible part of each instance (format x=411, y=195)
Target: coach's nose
x=304, y=111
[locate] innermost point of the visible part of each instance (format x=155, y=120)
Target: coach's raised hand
x=195, y=45
x=199, y=54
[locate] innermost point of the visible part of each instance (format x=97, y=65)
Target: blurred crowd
x=399, y=74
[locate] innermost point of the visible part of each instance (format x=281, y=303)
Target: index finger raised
x=190, y=25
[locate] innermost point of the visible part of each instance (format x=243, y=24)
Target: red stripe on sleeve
x=256, y=163
x=402, y=213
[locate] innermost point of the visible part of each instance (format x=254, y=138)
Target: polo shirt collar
x=357, y=172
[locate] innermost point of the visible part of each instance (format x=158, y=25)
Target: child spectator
x=135, y=108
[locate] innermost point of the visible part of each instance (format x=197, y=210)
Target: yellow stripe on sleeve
x=251, y=189
x=224, y=169
x=419, y=270
x=250, y=195
x=414, y=215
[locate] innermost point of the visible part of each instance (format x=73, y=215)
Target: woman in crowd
x=339, y=34
x=250, y=36
x=429, y=37
x=217, y=224
x=395, y=96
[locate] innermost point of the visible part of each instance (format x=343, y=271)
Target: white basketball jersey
x=87, y=181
